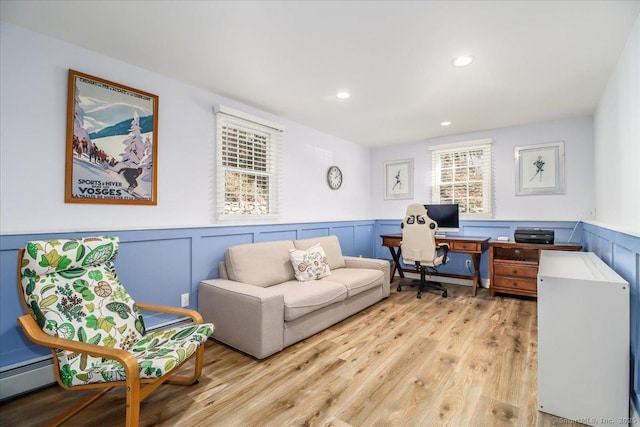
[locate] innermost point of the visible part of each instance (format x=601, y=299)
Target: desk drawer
x=516, y=283
x=514, y=270
x=464, y=246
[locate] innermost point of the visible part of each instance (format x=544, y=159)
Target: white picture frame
x=398, y=179
x=540, y=169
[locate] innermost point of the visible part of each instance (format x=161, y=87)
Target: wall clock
x=334, y=177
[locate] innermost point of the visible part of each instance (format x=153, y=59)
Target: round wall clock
x=334, y=177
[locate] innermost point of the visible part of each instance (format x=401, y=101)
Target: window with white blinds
x=462, y=173
x=248, y=160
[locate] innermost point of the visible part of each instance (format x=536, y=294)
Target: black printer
x=533, y=235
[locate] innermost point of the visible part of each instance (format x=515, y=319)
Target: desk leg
x=395, y=254
x=475, y=258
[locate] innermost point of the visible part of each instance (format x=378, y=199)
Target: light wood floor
x=459, y=361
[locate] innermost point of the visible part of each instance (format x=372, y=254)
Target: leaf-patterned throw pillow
x=311, y=264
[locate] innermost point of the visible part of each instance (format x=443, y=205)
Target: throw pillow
x=311, y=264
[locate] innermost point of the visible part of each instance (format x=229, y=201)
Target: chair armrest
x=38, y=336
x=186, y=312
x=444, y=248
x=247, y=317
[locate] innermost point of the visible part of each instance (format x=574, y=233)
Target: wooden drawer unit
x=515, y=270
x=513, y=267
x=465, y=246
x=515, y=285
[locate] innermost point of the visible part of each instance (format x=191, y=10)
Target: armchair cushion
x=73, y=292
x=157, y=353
x=52, y=256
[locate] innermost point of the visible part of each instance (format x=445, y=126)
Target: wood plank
x=433, y=361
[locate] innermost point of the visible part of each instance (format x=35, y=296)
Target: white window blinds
x=248, y=165
x=462, y=173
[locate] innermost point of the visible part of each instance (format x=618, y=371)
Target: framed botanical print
x=540, y=169
x=398, y=179
x=112, y=143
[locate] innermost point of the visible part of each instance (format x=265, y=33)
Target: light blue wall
x=34, y=68
x=576, y=203
x=622, y=253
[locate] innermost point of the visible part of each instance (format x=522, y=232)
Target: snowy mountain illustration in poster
x=112, y=140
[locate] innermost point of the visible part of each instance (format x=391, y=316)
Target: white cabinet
x=583, y=339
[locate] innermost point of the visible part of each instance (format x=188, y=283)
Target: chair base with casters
x=423, y=283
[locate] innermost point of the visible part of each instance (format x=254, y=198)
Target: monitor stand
x=440, y=235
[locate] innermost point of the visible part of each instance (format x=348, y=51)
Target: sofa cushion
x=261, y=264
x=311, y=264
x=331, y=246
x=357, y=280
x=303, y=298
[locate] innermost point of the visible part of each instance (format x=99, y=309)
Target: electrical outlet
x=184, y=300
x=468, y=263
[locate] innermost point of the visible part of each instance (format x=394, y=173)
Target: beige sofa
x=260, y=308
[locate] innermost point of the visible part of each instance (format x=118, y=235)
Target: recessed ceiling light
x=343, y=95
x=462, y=61
x=445, y=124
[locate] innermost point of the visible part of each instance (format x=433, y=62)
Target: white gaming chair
x=418, y=246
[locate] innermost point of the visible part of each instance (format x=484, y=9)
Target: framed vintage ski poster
x=112, y=143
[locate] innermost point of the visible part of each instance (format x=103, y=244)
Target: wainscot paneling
x=159, y=265
x=621, y=251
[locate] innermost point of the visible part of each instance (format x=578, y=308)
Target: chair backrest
x=418, y=236
x=71, y=289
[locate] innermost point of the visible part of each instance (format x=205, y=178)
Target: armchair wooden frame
x=136, y=389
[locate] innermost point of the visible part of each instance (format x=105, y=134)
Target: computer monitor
x=446, y=215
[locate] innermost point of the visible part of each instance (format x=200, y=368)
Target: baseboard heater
x=38, y=373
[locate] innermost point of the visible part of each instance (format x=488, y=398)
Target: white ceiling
x=534, y=60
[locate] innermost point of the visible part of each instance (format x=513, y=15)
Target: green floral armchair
x=95, y=330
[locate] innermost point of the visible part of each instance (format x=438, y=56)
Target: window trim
x=275, y=130
x=488, y=185
x=246, y=116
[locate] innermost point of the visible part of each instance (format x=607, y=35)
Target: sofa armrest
x=376, y=264
x=247, y=317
